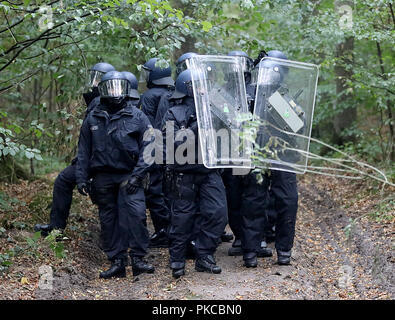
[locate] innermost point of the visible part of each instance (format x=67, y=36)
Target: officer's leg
x=133, y=224
x=113, y=244
x=284, y=189
x=62, y=197
x=254, y=200
x=183, y=210
x=271, y=217
x=159, y=211
x=213, y=210
x=61, y=201
x=233, y=189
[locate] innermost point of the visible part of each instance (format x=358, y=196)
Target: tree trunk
x=343, y=72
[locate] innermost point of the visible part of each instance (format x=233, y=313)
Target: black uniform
x=255, y=202
x=194, y=187
x=111, y=151
x=155, y=198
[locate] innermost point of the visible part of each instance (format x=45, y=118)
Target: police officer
x=159, y=84
x=283, y=189
x=66, y=180
x=165, y=103
x=194, y=187
x=111, y=149
x=238, y=185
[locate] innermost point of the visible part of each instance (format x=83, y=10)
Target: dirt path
x=328, y=263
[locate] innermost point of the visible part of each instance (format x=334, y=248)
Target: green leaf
x=206, y=26
x=29, y=155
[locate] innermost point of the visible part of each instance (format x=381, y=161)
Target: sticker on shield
x=284, y=105
x=221, y=109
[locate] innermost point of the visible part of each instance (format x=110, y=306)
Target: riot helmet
x=96, y=73
x=133, y=85
x=273, y=73
x=181, y=63
x=183, y=85
x=113, y=89
x=247, y=62
x=277, y=54
x=152, y=74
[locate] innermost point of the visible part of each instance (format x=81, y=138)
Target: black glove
x=261, y=55
x=133, y=184
x=83, y=188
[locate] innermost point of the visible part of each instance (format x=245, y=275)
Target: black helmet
x=132, y=92
x=181, y=63
x=159, y=76
x=97, y=71
x=273, y=73
x=183, y=85
x=277, y=54
x=246, y=60
x=113, y=84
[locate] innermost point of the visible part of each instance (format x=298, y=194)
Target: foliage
x=55, y=243
x=46, y=49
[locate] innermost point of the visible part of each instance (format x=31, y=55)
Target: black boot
x=226, y=237
x=45, y=229
x=117, y=270
x=178, y=269
x=235, y=250
x=139, y=266
x=250, y=260
x=207, y=264
x=159, y=239
x=264, y=251
x=283, y=257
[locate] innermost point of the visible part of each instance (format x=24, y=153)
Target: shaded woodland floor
x=344, y=249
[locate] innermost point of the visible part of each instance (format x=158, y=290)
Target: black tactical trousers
x=253, y=205
x=155, y=200
x=233, y=187
x=284, y=189
x=122, y=216
x=193, y=193
x=62, y=196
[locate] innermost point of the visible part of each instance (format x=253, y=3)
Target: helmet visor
x=94, y=78
x=114, y=88
x=144, y=75
x=182, y=66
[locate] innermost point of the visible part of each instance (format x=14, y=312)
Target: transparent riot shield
x=284, y=104
x=221, y=107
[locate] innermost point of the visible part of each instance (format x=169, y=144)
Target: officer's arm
x=145, y=138
x=92, y=105
x=148, y=107
x=167, y=121
x=84, y=153
x=160, y=113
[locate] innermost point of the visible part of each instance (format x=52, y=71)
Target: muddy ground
x=333, y=257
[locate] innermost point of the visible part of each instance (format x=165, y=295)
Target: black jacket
x=184, y=118
x=150, y=101
x=112, y=143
